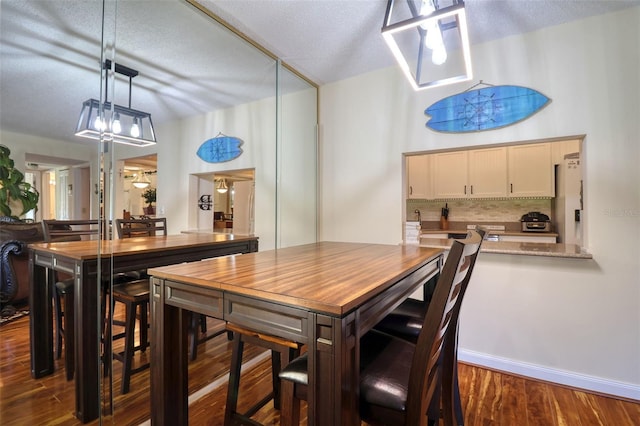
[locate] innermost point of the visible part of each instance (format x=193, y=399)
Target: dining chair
x=146, y=227
x=135, y=297
x=406, y=322
x=398, y=379
x=56, y=231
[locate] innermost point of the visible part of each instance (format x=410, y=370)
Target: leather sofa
x=14, y=259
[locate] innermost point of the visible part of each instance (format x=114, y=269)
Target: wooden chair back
x=71, y=230
x=149, y=227
x=440, y=318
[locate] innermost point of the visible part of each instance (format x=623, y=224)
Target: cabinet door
x=531, y=171
x=419, y=177
x=450, y=175
x=488, y=173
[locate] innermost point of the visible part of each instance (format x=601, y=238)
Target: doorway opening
x=223, y=201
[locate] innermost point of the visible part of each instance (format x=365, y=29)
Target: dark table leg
x=88, y=330
x=169, y=360
x=41, y=322
x=333, y=372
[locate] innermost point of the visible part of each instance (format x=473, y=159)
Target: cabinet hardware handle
x=511, y=187
x=471, y=189
x=410, y=190
x=465, y=189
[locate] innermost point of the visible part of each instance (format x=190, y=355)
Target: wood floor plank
x=539, y=411
x=513, y=405
x=563, y=406
x=488, y=397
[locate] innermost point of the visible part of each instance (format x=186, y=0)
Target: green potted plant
x=17, y=197
x=149, y=196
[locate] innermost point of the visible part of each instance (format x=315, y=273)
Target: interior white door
x=243, y=207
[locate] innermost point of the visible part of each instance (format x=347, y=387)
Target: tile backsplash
x=472, y=210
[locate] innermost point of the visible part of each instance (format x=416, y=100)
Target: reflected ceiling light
x=222, y=186
x=115, y=122
x=141, y=180
x=419, y=34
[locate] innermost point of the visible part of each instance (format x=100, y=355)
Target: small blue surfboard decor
x=484, y=109
x=220, y=149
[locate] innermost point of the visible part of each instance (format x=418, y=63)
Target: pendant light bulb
x=97, y=124
x=439, y=55
x=135, y=128
x=117, y=127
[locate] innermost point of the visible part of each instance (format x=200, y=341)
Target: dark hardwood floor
x=489, y=397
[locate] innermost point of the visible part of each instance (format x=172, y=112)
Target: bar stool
x=63, y=307
x=282, y=351
x=132, y=295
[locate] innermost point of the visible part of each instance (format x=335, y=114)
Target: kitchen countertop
x=490, y=232
x=517, y=248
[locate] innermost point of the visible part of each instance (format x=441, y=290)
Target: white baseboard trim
x=563, y=377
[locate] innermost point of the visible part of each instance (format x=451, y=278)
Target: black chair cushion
x=66, y=286
x=385, y=365
x=405, y=321
x=412, y=308
x=296, y=371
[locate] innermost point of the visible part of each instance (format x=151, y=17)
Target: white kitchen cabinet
x=487, y=173
x=531, y=171
x=419, y=182
x=450, y=174
x=478, y=173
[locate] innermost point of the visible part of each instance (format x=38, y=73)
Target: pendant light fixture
x=117, y=123
x=141, y=180
x=429, y=40
x=222, y=186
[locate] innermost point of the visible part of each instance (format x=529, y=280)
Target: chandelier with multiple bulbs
x=112, y=122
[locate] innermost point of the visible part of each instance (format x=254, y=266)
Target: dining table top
x=92, y=249
x=329, y=277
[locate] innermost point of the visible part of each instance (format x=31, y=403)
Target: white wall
x=576, y=321
x=21, y=144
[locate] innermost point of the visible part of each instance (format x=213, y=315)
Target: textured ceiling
x=189, y=64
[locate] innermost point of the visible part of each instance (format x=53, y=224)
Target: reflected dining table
x=84, y=260
x=324, y=295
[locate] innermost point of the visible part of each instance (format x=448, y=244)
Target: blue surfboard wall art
x=484, y=109
x=220, y=149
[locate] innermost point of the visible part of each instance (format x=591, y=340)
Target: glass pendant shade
x=133, y=127
x=430, y=42
x=222, y=186
x=141, y=181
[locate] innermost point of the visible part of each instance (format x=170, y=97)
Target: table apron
x=268, y=317
x=197, y=299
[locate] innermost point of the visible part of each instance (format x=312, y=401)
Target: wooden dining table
x=324, y=295
x=87, y=261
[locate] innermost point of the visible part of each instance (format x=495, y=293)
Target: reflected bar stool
x=132, y=295
x=282, y=351
x=63, y=307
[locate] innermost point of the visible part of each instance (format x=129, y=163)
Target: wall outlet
x=471, y=226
